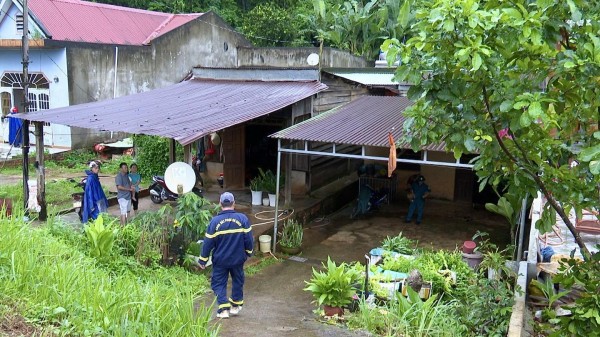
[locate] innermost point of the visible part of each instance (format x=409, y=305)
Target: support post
x=278, y=175
x=25, y=125
x=522, y=227
x=172, y=151
x=41, y=170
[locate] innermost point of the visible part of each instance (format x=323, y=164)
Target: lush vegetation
x=152, y=154
x=517, y=83
x=462, y=303
x=68, y=285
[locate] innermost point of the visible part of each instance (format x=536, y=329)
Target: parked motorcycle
x=78, y=199
x=369, y=199
x=160, y=192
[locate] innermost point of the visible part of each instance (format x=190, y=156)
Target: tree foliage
x=152, y=154
x=516, y=82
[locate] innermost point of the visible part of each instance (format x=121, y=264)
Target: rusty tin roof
x=365, y=121
x=184, y=111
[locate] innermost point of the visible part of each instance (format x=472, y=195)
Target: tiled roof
x=84, y=21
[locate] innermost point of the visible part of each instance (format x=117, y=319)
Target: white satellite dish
x=180, y=174
x=312, y=59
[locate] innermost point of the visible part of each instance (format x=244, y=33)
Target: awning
x=184, y=111
x=365, y=121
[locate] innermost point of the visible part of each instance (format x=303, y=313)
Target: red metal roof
x=364, y=121
x=83, y=21
x=184, y=111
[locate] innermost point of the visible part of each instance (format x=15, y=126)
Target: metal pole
x=522, y=227
x=25, y=86
x=277, y=195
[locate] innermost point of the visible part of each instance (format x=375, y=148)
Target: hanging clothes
x=15, y=134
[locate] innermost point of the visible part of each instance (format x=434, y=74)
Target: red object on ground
x=468, y=247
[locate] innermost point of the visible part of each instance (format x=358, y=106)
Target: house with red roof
x=81, y=51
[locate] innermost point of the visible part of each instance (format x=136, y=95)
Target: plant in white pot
x=256, y=189
x=291, y=237
x=269, y=183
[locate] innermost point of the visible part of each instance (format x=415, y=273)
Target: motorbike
x=160, y=192
x=369, y=200
x=78, y=199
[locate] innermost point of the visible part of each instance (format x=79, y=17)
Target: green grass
x=58, y=188
x=63, y=290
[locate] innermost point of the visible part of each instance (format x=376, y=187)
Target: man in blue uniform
x=229, y=238
x=418, y=191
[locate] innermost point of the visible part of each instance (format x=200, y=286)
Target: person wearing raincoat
x=94, y=199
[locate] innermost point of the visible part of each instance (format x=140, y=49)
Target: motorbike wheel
x=155, y=199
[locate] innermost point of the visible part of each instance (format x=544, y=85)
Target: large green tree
x=517, y=82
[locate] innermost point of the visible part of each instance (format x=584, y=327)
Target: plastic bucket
x=468, y=247
x=264, y=243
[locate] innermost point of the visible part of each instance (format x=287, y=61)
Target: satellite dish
x=180, y=174
x=312, y=59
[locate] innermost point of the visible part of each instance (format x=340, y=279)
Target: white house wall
x=53, y=64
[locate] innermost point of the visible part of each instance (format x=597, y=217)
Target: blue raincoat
x=94, y=199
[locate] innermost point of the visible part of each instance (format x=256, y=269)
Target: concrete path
x=275, y=303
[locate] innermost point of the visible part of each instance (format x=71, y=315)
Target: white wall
x=53, y=64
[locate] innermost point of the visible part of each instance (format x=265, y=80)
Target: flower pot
x=473, y=260
x=290, y=250
x=265, y=201
x=256, y=197
x=331, y=311
x=272, y=199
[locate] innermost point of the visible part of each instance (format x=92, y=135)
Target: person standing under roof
x=124, y=190
x=418, y=191
x=229, y=239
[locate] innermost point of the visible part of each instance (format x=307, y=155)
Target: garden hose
x=284, y=214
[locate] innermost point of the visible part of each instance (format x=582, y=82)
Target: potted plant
x=333, y=287
x=291, y=237
x=256, y=186
x=269, y=184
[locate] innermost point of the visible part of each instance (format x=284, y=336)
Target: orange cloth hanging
x=392, y=160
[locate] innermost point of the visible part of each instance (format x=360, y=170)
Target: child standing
x=135, y=178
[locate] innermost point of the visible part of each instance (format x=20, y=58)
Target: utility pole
x=25, y=86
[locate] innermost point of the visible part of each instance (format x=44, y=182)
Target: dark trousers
x=418, y=205
x=134, y=203
x=218, y=283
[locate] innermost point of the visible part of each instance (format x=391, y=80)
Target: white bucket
x=264, y=242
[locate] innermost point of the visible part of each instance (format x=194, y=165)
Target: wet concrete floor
x=276, y=305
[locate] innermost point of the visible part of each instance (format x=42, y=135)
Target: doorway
x=261, y=150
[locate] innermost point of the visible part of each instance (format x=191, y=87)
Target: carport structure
x=186, y=112
x=366, y=123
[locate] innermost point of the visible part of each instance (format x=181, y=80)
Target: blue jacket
x=229, y=238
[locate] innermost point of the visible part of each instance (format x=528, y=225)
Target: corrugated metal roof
x=84, y=21
x=364, y=121
x=185, y=111
x=366, y=76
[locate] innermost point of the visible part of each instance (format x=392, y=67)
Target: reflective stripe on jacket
x=229, y=238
